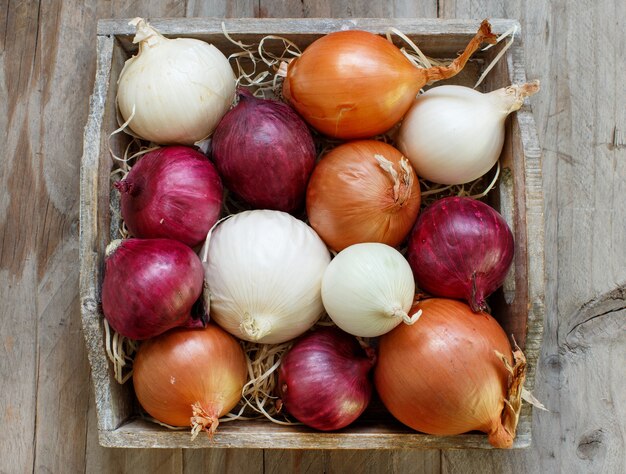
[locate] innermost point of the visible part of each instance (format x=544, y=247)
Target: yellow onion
x=451, y=372
x=190, y=377
x=363, y=191
x=355, y=84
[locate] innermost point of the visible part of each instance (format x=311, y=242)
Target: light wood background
x=47, y=66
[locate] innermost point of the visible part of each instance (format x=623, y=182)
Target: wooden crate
x=519, y=307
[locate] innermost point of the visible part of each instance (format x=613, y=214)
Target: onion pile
x=441, y=366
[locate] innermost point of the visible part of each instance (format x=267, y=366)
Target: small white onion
x=179, y=88
x=264, y=273
x=368, y=289
x=454, y=134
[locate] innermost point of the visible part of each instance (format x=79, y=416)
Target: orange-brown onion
x=363, y=191
x=355, y=84
x=190, y=377
x=442, y=375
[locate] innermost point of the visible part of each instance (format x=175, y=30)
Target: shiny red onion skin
x=150, y=286
x=324, y=379
x=461, y=248
x=173, y=192
x=265, y=153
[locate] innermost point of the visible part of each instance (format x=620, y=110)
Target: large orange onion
x=190, y=377
x=363, y=191
x=451, y=372
x=355, y=84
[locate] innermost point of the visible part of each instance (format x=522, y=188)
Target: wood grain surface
x=47, y=68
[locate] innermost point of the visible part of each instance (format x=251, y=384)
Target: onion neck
x=255, y=327
x=509, y=99
x=145, y=35
x=397, y=312
x=402, y=182
x=503, y=434
x=201, y=420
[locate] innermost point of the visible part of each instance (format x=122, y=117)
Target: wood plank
x=224, y=9
x=584, y=174
x=19, y=223
x=347, y=9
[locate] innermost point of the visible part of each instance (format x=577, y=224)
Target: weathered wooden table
x=47, y=67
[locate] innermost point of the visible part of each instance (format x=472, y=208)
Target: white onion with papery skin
x=454, y=134
x=264, y=270
x=175, y=90
x=368, y=289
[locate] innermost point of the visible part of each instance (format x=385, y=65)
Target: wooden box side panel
x=265, y=435
x=113, y=401
x=528, y=153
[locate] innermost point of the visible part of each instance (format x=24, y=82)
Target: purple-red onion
x=265, y=153
x=150, y=286
x=461, y=248
x=173, y=192
x=324, y=379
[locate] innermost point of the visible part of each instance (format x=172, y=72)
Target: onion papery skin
x=184, y=367
x=461, y=248
x=150, y=286
x=442, y=376
x=351, y=199
x=264, y=271
x=265, y=153
x=172, y=192
x=355, y=84
x=324, y=379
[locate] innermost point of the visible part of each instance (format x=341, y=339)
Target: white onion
x=454, y=134
x=368, y=289
x=178, y=88
x=264, y=273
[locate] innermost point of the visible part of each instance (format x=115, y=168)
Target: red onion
x=173, y=192
x=461, y=248
x=265, y=153
x=150, y=286
x=324, y=379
